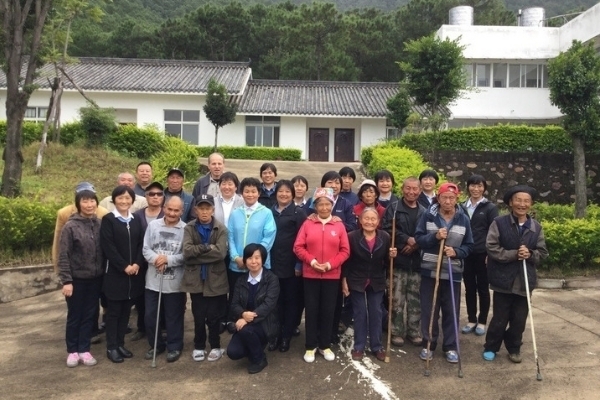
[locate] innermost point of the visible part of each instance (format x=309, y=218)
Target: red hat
x=448, y=187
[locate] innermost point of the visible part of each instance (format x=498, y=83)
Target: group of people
x=257, y=254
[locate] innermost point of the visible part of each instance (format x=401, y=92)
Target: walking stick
x=160, y=285
x=435, y=291
x=391, y=288
x=460, y=372
x=535, y=353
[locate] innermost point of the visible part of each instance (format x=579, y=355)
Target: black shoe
x=150, y=353
x=273, y=344
x=137, y=336
x=124, y=352
x=173, y=356
x=296, y=332
x=114, y=356
x=285, y=345
x=256, y=368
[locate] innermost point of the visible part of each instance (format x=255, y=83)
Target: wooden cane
x=435, y=291
x=390, y=293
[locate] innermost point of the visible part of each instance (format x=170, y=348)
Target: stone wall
x=550, y=174
x=21, y=282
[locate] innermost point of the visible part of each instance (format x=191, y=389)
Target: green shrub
x=137, y=142
x=513, y=138
x=175, y=154
x=253, y=153
x=366, y=155
x=97, y=123
x=561, y=212
x=71, y=132
x=572, y=244
x=26, y=224
x=32, y=131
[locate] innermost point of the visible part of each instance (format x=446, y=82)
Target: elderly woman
x=322, y=246
x=284, y=263
x=364, y=281
x=253, y=308
x=80, y=271
x=368, y=194
x=228, y=199
x=122, y=240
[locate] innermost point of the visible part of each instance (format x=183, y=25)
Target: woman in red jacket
x=322, y=246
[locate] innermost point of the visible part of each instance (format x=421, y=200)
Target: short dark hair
x=119, y=190
x=270, y=166
x=300, y=178
x=230, y=176
x=251, y=248
x=365, y=187
x=475, y=179
x=84, y=195
x=249, y=182
x=429, y=173
x=384, y=173
x=347, y=171
x=330, y=176
x=143, y=163
x=288, y=184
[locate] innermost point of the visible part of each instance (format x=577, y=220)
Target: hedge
x=544, y=212
x=253, y=153
x=132, y=141
x=176, y=154
x=25, y=224
x=572, y=244
x=32, y=132
x=513, y=138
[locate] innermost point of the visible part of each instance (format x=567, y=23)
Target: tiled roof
x=140, y=75
x=318, y=98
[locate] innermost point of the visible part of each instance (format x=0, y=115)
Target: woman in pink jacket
x=322, y=246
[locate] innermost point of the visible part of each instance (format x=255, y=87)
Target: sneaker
x=72, y=360
x=150, y=353
x=452, y=356
x=309, y=356
x=138, y=335
x=489, y=355
x=397, y=341
x=469, y=328
x=415, y=340
x=357, y=355
x=215, y=354
x=198, y=355
x=87, y=359
x=380, y=354
x=424, y=354
x=327, y=354
x=480, y=330
x=515, y=357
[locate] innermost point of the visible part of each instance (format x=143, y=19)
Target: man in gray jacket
x=163, y=251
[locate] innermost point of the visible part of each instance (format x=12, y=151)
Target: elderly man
x=175, y=179
x=512, y=239
x=126, y=179
x=164, y=253
x=209, y=183
x=443, y=220
x=143, y=176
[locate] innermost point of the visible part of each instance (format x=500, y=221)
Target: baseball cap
x=155, y=185
x=205, y=198
x=81, y=186
x=448, y=187
x=176, y=171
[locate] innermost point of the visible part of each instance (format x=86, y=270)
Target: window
x=391, y=132
x=500, y=72
x=183, y=124
x=262, y=131
x=468, y=72
x=37, y=114
x=514, y=75
x=482, y=75
x=529, y=76
x=544, y=74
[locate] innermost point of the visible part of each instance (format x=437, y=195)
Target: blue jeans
x=367, y=318
x=82, y=307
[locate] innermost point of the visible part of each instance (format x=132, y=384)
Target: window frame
x=186, y=120
x=258, y=123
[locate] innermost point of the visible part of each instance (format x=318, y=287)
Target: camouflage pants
x=406, y=294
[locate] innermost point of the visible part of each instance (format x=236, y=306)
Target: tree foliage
x=218, y=109
x=399, y=109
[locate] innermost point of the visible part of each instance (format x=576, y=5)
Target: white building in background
x=507, y=65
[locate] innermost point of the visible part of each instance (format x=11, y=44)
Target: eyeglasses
x=154, y=194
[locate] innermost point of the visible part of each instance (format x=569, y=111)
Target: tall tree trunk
x=580, y=177
x=216, y=136
x=13, y=156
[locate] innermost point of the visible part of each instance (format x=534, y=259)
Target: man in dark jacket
x=175, y=180
x=407, y=274
x=209, y=183
x=512, y=239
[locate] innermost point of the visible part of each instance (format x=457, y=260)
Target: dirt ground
x=567, y=323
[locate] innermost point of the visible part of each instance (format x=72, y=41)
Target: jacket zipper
x=130, y=259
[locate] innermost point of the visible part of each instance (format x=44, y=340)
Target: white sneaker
x=72, y=360
x=309, y=356
x=87, y=359
x=215, y=354
x=198, y=355
x=328, y=354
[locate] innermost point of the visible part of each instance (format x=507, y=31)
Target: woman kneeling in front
x=254, y=308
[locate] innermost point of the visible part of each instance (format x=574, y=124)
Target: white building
x=507, y=65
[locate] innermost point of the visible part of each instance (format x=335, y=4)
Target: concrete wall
x=550, y=174
x=22, y=282
x=585, y=27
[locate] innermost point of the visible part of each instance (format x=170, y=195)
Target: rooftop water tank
x=461, y=15
x=533, y=16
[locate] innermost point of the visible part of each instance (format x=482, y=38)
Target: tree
x=574, y=82
x=399, y=109
x=22, y=26
x=434, y=75
x=218, y=109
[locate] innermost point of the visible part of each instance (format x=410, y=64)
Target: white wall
x=585, y=27
x=372, y=131
x=293, y=134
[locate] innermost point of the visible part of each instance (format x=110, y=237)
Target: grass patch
x=9, y=259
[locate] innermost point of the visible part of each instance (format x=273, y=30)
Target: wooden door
x=318, y=144
x=344, y=145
